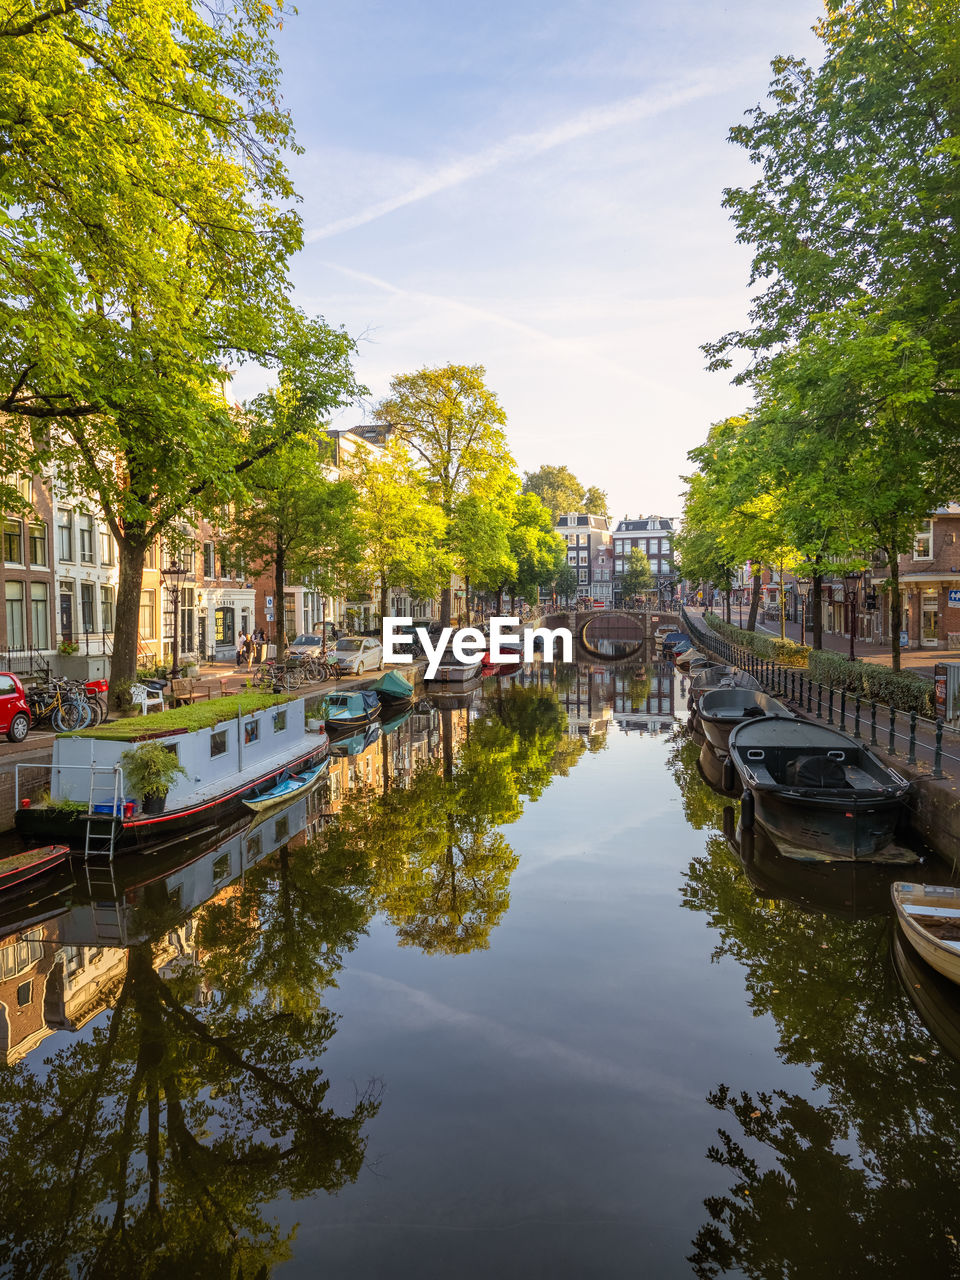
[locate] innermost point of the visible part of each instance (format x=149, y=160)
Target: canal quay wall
x=934, y=803
x=35, y=755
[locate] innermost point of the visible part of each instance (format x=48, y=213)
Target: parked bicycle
x=60, y=704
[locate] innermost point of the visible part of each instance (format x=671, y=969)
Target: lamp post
x=803, y=590
x=851, y=587
x=174, y=577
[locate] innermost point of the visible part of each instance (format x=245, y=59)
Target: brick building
x=654, y=536
x=26, y=576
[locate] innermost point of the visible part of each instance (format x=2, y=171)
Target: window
x=209, y=560
x=281, y=828
x=571, y=557
x=618, y=566
x=39, y=615
x=38, y=544
x=150, y=556
x=923, y=543
x=583, y=575
x=584, y=558
x=279, y=721
x=65, y=536
x=13, y=541
x=16, y=638
x=107, y=547
x=106, y=608
x=24, y=993
x=86, y=539
x=148, y=615
x=221, y=868
x=24, y=486
x=251, y=732
x=218, y=743
x=254, y=848
x=86, y=606
x=618, y=546
x=224, y=626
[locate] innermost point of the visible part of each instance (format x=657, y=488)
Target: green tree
x=638, y=577
x=403, y=531
x=296, y=520
x=136, y=272
x=566, y=582
x=453, y=425
x=561, y=492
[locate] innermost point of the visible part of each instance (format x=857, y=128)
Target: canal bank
x=933, y=804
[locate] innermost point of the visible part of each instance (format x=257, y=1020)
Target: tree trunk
x=280, y=572
x=123, y=667
x=896, y=613
x=755, y=602
x=466, y=597
x=726, y=598
x=500, y=601
x=816, y=605
x=446, y=604
x=384, y=594
x=783, y=608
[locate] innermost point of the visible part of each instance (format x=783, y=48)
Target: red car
x=14, y=708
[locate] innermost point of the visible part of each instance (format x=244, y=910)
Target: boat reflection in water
x=935, y=998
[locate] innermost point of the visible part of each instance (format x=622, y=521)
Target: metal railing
x=876, y=723
x=25, y=661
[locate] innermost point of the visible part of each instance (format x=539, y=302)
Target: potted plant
x=68, y=647
x=149, y=772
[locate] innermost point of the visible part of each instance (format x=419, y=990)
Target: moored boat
x=718, y=676
x=935, y=998
x=929, y=915
x=394, y=692
x=816, y=788
x=221, y=764
x=456, y=672
x=286, y=786
x=723, y=708
x=350, y=709
x=19, y=868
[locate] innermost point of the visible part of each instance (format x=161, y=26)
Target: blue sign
x=954, y=596
x=904, y=639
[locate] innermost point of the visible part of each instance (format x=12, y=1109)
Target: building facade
x=654, y=536
x=26, y=575
x=589, y=544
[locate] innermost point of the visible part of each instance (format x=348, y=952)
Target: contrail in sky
x=522, y=146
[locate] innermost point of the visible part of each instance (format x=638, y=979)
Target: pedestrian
x=248, y=650
x=241, y=641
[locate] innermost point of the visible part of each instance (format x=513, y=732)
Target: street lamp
x=174, y=576
x=851, y=586
x=803, y=590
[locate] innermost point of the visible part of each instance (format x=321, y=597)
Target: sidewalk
x=919, y=661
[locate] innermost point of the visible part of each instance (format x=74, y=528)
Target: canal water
x=506, y=997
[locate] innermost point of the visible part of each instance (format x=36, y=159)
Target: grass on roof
x=196, y=715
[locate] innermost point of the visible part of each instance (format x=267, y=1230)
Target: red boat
x=35, y=862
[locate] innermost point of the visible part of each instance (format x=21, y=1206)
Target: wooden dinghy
x=929, y=915
x=286, y=787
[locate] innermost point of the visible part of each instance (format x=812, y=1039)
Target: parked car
x=309, y=645
x=357, y=654
x=14, y=708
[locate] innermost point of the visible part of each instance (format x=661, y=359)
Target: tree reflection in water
x=158, y=1144
x=859, y=1179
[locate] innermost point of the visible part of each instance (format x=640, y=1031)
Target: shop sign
x=953, y=595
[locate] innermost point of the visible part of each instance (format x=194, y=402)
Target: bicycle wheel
x=292, y=678
x=68, y=716
x=262, y=676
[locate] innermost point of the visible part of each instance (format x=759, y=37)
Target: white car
x=357, y=654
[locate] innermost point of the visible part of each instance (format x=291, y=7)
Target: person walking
x=241, y=641
x=248, y=652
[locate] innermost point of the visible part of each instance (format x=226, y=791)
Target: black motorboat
x=722, y=709
x=719, y=677
x=816, y=788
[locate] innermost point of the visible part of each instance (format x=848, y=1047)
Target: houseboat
x=222, y=765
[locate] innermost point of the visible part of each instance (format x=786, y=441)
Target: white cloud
x=523, y=146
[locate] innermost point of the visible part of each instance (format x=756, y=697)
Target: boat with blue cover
x=351, y=709
x=286, y=786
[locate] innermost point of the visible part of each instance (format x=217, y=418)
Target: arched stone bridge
x=592, y=627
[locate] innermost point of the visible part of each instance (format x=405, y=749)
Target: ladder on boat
x=103, y=822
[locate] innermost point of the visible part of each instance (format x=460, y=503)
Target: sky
x=536, y=188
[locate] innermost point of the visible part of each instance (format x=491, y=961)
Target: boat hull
x=343, y=727
x=455, y=673
x=143, y=830
x=942, y=956
x=16, y=872
x=842, y=828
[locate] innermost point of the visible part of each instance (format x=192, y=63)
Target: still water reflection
x=507, y=996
